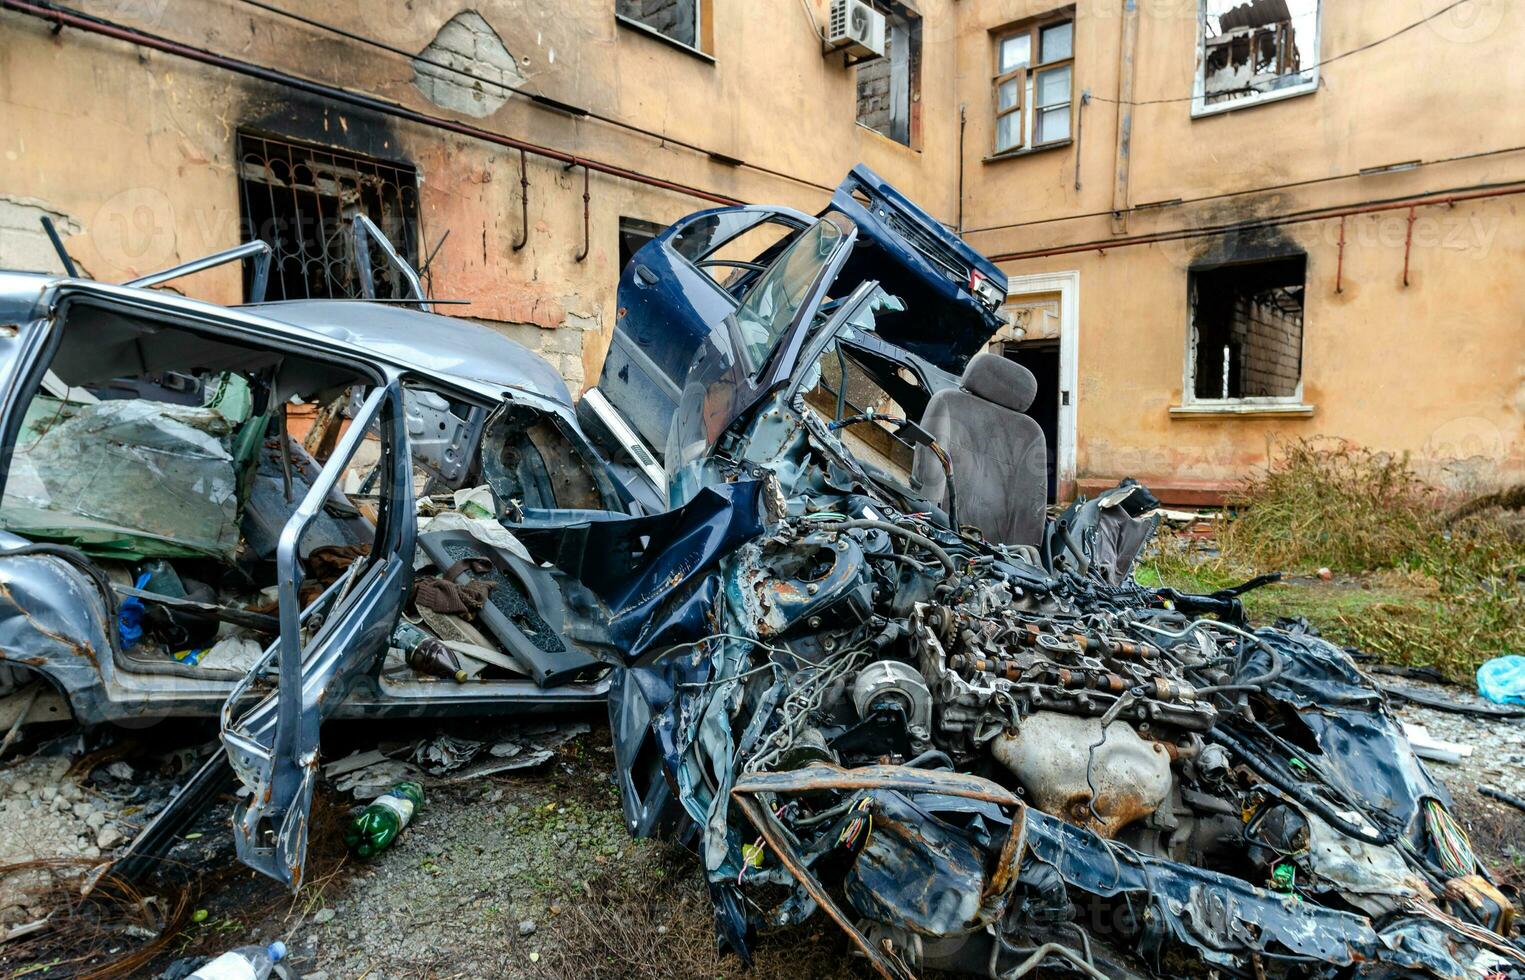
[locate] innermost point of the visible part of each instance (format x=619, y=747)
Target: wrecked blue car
x=975, y=752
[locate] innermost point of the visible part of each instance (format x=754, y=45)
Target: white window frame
x=1283, y=405
x=1199, y=106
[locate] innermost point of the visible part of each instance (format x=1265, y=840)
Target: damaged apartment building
x=1224, y=223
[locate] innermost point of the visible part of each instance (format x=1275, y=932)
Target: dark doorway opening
x=1042, y=359
x=634, y=234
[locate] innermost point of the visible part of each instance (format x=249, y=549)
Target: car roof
x=436, y=344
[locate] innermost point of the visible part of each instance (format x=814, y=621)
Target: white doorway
x=1045, y=312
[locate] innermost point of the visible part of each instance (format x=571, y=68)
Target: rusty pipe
x=524, y=204
x=1302, y=217
x=63, y=17
x=587, y=241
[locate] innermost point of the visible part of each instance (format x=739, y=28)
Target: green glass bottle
x=374, y=828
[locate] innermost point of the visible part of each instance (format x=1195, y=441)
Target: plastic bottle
x=374, y=828
x=426, y=654
x=243, y=963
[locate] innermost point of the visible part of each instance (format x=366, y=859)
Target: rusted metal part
x=903, y=779
x=524, y=203
x=1339, y=262
x=1408, y=245
x=773, y=835
x=587, y=241
x=1446, y=198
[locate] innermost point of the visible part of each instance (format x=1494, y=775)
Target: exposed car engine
x=988, y=759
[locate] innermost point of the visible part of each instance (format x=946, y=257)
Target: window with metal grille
x=301, y=199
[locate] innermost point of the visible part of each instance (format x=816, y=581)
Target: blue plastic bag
x=1502, y=680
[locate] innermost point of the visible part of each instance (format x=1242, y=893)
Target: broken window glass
x=1033, y=96
x=675, y=19
x=301, y=199
x=127, y=476
x=889, y=87
x=1251, y=49
x=1247, y=329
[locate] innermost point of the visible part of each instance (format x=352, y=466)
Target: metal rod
x=524, y=204
x=226, y=614
x=255, y=248
x=93, y=25
x=1339, y=265
x=285, y=446
x=587, y=241
x=58, y=246
x=1408, y=244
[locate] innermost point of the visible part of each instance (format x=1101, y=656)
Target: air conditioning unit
x=856, y=28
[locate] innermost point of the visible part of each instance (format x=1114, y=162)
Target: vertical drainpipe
x=1125, y=65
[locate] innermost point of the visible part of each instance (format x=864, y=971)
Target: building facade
x=1225, y=223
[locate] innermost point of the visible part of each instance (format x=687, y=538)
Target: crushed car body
x=977, y=756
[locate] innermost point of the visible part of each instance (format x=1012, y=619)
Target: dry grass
x=1421, y=579
x=659, y=924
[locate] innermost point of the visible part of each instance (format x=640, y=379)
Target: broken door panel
x=669, y=303
x=274, y=745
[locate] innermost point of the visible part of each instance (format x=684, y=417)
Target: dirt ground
x=529, y=874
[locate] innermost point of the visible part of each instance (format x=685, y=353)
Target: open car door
x=273, y=744
x=677, y=290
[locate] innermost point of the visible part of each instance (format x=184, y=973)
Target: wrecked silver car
x=978, y=756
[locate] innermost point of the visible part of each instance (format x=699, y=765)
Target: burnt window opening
x=1254, y=49
x=685, y=22
x=634, y=234
x=1247, y=329
x=1033, y=82
x=301, y=198
x=889, y=88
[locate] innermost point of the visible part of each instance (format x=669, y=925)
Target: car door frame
x=273, y=746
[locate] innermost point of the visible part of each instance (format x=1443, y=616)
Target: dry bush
x=1442, y=583
x=1326, y=502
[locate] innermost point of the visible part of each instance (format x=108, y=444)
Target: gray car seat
x=1000, y=458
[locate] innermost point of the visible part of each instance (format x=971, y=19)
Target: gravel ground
x=527, y=874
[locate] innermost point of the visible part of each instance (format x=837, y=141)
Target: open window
x=1255, y=51
x=1034, y=83
x=1247, y=332
x=889, y=88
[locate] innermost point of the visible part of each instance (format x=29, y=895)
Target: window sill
x=655, y=34
x=1199, y=108
x=1026, y=151
x=1230, y=409
x=888, y=139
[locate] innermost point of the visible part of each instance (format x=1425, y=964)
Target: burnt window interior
x=1247, y=329
x=301, y=200
x=888, y=87
x=634, y=234
x=677, y=20
x=1249, y=49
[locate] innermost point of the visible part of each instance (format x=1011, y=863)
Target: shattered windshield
x=776, y=299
